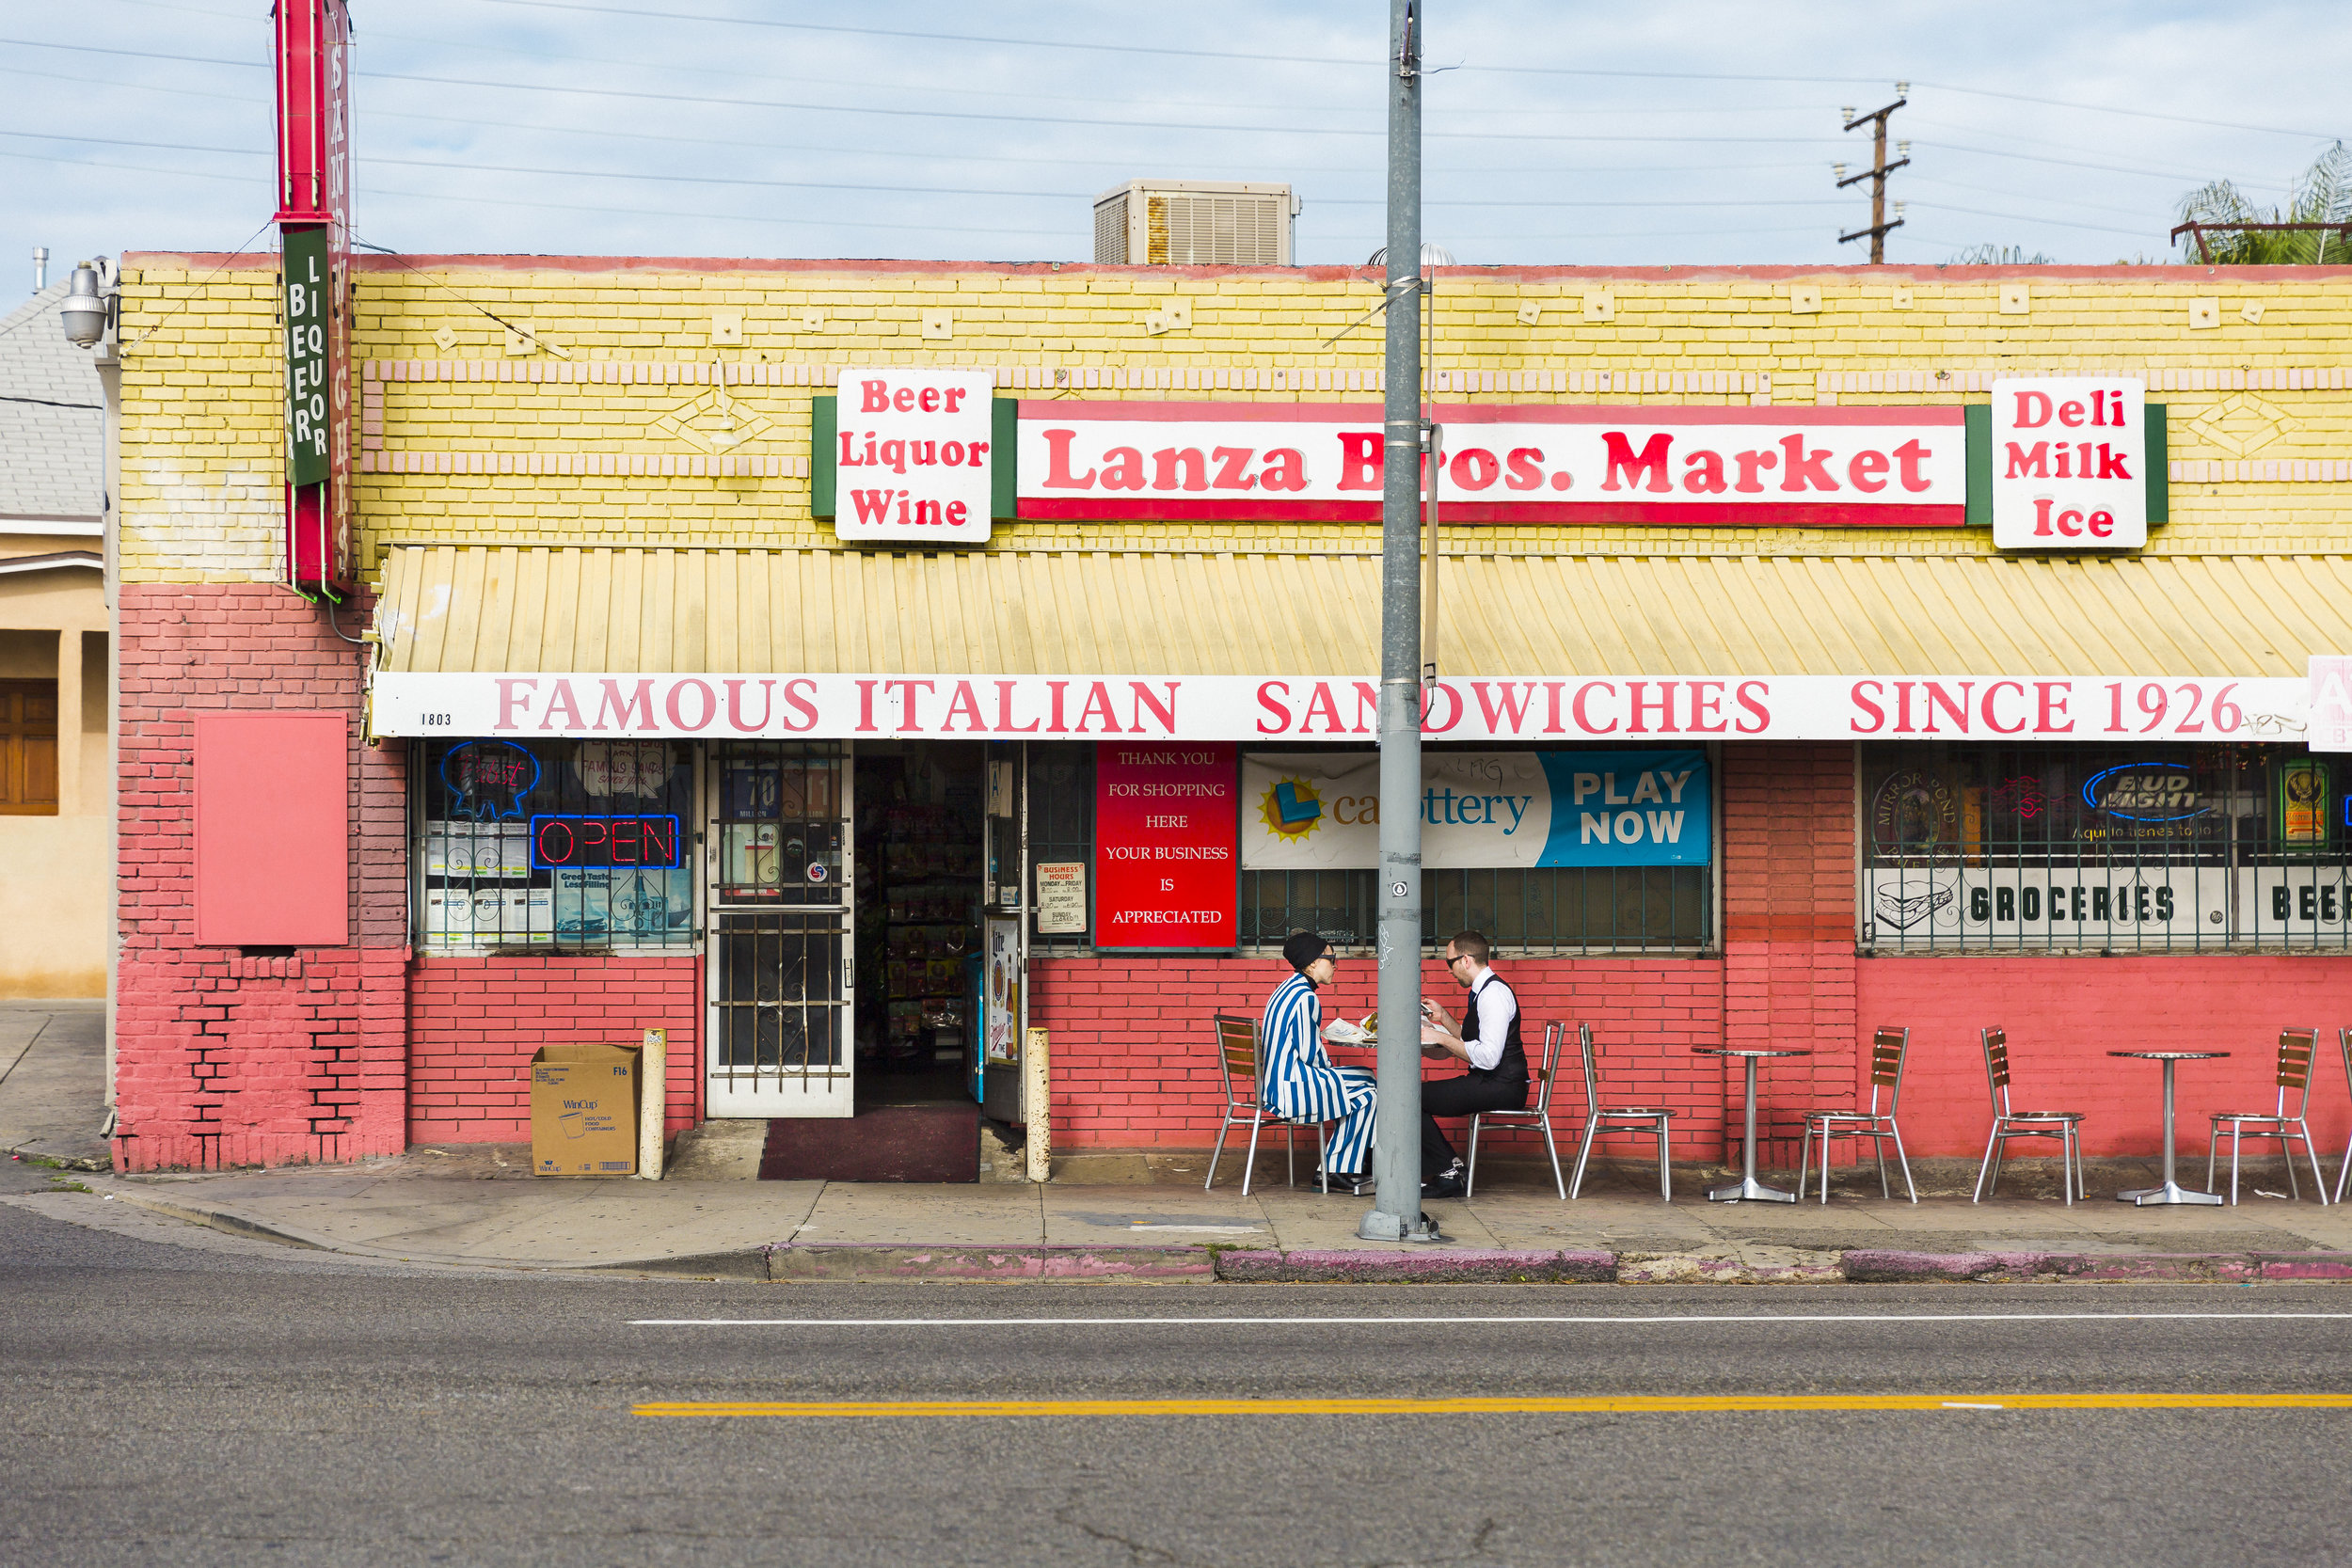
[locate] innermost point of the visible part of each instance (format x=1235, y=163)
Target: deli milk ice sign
x=2070, y=464
x=911, y=456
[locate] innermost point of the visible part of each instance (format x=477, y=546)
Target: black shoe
x=1343, y=1181
x=1448, y=1184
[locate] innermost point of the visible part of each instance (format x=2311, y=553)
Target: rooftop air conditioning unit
x=1191, y=222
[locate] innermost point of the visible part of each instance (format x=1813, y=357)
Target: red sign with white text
x=1505, y=463
x=1166, y=845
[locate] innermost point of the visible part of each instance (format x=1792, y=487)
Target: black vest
x=1511, y=1068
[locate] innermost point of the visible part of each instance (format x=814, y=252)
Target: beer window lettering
x=2103, y=848
x=563, y=844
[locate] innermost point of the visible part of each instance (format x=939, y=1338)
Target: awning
x=1297, y=619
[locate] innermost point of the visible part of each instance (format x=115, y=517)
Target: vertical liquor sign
x=1166, y=838
x=314, y=218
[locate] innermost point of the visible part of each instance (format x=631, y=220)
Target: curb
x=854, y=1261
x=1448, y=1266
x=851, y=1261
x=1874, y=1267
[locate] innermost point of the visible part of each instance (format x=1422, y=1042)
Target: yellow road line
x=1530, y=1406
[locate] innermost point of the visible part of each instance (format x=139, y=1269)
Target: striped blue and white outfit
x=1298, y=1078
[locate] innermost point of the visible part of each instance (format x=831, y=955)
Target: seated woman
x=1296, y=1077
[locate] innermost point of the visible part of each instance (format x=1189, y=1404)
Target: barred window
x=1601, y=850
x=1061, y=826
x=578, y=844
x=2103, y=848
x=1622, y=908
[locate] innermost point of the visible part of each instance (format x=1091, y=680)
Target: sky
x=1671, y=131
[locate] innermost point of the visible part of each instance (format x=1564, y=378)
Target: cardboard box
x=584, y=1110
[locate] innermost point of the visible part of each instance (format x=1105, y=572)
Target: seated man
x=1296, y=1077
x=1488, y=1038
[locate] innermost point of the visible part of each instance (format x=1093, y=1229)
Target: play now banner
x=1316, y=811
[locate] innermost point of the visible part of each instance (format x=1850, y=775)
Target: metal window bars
x=563, y=844
x=2103, y=847
x=1656, y=909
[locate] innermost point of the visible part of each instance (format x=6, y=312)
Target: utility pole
x=1878, y=171
x=1395, y=1214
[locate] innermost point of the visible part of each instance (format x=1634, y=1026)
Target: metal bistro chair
x=1539, y=1113
x=1631, y=1117
x=2343, y=1038
x=1888, y=1047
x=2299, y=1049
x=1237, y=1056
x=2065, y=1126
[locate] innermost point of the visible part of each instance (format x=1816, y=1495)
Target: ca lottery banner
x=1318, y=812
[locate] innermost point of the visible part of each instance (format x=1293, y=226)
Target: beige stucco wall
x=53, y=880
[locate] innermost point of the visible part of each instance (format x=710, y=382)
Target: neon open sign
x=567, y=840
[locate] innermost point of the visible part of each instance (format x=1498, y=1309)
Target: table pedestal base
x=2172, y=1192
x=1749, y=1189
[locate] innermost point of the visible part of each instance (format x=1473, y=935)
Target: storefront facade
x=1746, y=726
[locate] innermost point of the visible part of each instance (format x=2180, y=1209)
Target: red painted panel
x=273, y=830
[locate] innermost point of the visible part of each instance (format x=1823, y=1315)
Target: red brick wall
x=225, y=1058
x=474, y=1021
x=2064, y=1014
x=1788, y=931
x=1133, y=1065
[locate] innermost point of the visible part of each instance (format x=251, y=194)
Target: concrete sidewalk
x=1137, y=1216
x=53, y=1082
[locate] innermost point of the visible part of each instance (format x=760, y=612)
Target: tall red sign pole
x=312, y=52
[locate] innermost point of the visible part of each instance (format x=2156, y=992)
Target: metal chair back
x=1889, y=1048
x=2297, y=1050
x=1237, y=1054
x=1549, y=1072
x=1591, y=1073
x=1996, y=1067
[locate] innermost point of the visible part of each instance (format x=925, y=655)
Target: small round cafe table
x=2172, y=1192
x=1748, y=1187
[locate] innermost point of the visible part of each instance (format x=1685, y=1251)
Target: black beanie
x=1303, y=948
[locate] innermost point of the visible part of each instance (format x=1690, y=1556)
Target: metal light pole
x=1397, y=1162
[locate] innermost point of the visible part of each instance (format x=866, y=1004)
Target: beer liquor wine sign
x=2070, y=464
x=909, y=455
x=1522, y=462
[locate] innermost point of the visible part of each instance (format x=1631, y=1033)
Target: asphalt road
x=175, y=1395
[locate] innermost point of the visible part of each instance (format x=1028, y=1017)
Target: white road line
x=1455, y=1321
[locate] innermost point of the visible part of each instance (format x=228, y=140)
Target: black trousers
x=1461, y=1097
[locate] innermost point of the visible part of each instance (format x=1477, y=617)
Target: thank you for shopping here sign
x=1311, y=812
x=2070, y=464
x=1529, y=462
x=1164, y=842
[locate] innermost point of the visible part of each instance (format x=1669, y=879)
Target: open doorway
x=919, y=807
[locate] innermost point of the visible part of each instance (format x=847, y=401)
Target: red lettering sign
x=1166, y=842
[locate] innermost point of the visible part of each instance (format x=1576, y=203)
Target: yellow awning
x=457, y=607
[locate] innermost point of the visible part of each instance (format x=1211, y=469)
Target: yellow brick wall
x=201, y=464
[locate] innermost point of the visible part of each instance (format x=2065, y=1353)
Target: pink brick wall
x=224, y=1058
x=474, y=1023
x=2064, y=1014
x=1133, y=1065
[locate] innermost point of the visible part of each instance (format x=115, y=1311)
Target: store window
x=556, y=844
x=1061, y=844
x=2103, y=848
x=1599, y=851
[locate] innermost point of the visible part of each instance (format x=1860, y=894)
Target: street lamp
x=85, y=311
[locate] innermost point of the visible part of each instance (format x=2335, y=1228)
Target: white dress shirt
x=1496, y=1008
